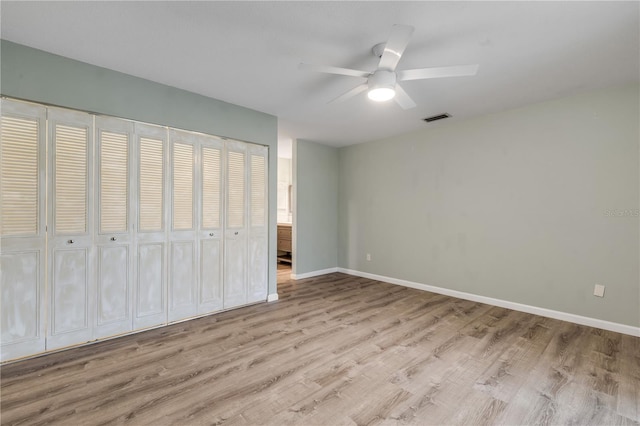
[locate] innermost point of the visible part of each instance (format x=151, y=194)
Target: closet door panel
x=235, y=289
x=211, y=275
x=210, y=233
x=114, y=231
x=72, y=283
x=235, y=254
x=151, y=236
x=150, y=289
x=21, y=318
x=22, y=229
x=183, y=251
x=114, y=287
x=182, y=299
x=257, y=267
x=70, y=291
x=20, y=285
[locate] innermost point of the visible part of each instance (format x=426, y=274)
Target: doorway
x=285, y=208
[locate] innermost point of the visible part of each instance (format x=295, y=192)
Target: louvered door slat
x=114, y=188
x=258, y=191
x=236, y=189
x=151, y=184
x=211, y=188
x=182, y=186
x=70, y=179
x=19, y=176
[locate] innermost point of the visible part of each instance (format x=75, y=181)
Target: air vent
x=437, y=117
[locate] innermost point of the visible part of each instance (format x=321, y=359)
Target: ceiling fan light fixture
x=381, y=94
x=382, y=85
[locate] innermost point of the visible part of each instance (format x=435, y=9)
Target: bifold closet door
x=183, y=249
x=152, y=211
x=72, y=280
x=22, y=229
x=113, y=236
x=235, y=239
x=258, y=246
x=210, y=236
x=109, y=226
x=195, y=254
x=246, y=230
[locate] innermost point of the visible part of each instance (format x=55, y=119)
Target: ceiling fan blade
x=350, y=94
x=403, y=99
x=393, y=50
x=334, y=70
x=437, y=72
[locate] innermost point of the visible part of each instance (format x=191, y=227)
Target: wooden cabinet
x=284, y=242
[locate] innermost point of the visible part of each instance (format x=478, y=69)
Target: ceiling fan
x=382, y=83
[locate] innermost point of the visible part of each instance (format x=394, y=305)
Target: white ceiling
x=247, y=53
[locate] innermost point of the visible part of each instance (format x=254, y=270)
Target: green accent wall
x=533, y=205
x=35, y=75
x=316, y=207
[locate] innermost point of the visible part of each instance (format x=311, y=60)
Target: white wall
x=533, y=205
x=315, y=232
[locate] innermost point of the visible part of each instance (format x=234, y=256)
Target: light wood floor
x=339, y=350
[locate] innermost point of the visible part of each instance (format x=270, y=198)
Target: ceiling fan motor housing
x=382, y=78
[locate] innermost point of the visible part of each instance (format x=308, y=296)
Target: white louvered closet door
x=152, y=194
x=183, y=250
x=210, y=236
x=22, y=229
x=235, y=242
x=113, y=229
x=70, y=262
x=258, y=246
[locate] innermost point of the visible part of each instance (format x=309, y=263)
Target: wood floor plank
x=628, y=398
x=506, y=375
x=338, y=350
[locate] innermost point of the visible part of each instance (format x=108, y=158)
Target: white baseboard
x=313, y=273
x=272, y=297
x=564, y=316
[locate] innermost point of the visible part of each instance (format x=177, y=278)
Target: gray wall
x=532, y=205
x=316, y=207
x=35, y=75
